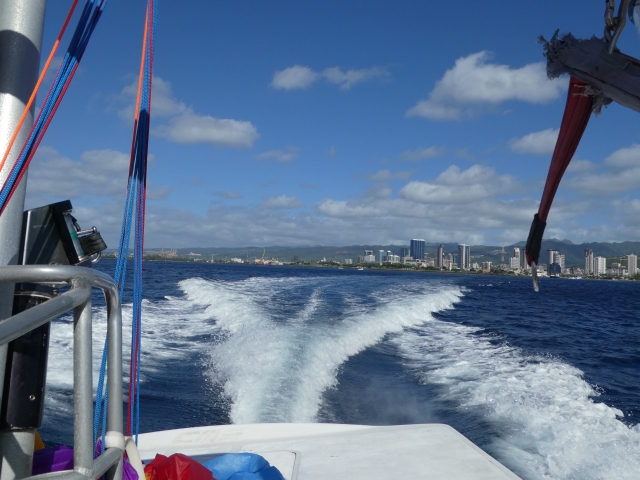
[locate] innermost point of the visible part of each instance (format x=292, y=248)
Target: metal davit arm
x=78, y=298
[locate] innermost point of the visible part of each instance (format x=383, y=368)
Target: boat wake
x=276, y=368
x=272, y=348
x=550, y=425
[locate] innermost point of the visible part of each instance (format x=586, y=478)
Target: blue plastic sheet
x=242, y=466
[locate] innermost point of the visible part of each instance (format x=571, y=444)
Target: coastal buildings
x=632, y=264
x=515, y=261
x=416, y=249
x=599, y=266
x=588, y=261
x=459, y=258
x=462, y=250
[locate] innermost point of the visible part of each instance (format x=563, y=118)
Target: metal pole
x=21, y=25
x=82, y=386
x=114, y=373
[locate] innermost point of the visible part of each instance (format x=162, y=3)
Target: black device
x=50, y=236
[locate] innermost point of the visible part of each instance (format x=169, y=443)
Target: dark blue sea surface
x=545, y=382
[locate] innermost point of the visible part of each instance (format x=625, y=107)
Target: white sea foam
x=169, y=327
x=277, y=370
x=551, y=427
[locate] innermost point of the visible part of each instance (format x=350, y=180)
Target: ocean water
x=547, y=383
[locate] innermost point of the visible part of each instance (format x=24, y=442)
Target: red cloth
x=176, y=467
x=576, y=116
x=574, y=122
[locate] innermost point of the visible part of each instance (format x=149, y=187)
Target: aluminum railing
x=78, y=297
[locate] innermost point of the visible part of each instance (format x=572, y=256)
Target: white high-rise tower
x=632, y=264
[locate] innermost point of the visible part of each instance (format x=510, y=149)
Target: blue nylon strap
x=133, y=216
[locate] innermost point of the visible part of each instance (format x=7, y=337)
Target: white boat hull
x=320, y=451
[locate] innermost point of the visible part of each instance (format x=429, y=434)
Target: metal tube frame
x=78, y=298
x=620, y=22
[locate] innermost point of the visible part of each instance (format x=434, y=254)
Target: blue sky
x=334, y=123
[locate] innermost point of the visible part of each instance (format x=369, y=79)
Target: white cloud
x=386, y=175
x=434, y=111
x=625, y=157
x=344, y=209
x=281, y=202
x=228, y=194
x=622, y=175
x=189, y=128
x=422, y=153
x=163, y=103
x=99, y=176
x=459, y=187
x=607, y=183
x=580, y=166
x=183, y=124
x=299, y=77
x=483, y=211
x=101, y=173
x=539, y=143
x=473, y=84
x=281, y=156
x=349, y=78
x=294, y=78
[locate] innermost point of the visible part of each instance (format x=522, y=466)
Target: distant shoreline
x=356, y=267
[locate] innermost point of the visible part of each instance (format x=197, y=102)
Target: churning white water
x=275, y=351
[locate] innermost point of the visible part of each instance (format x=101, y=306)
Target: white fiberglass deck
x=322, y=451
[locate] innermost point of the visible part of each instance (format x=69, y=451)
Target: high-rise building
x=405, y=252
x=440, y=257
x=416, y=248
x=517, y=256
x=588, y=261
x=551, y=256
x=632, y=264
x=486, y=266
x=380, y=256
x=514, y=263
x=599, y=265
x=467, y=257
x=462, y=253
x=559, y=259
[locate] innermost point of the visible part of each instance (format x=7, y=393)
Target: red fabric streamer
x=574, y=122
